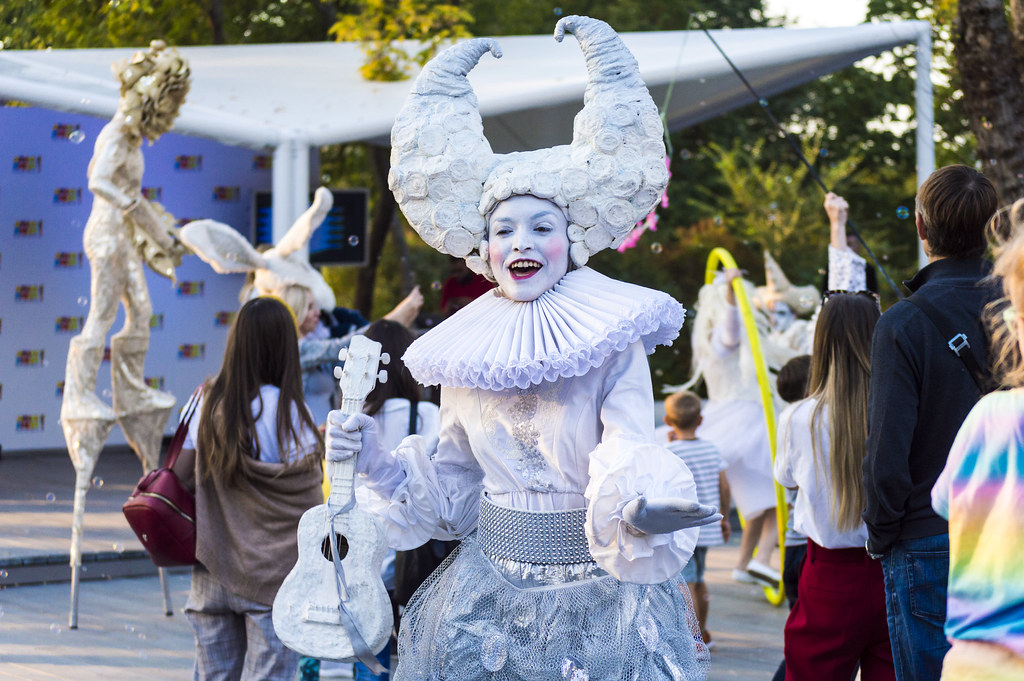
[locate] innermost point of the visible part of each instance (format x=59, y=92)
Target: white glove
x=661, y=515
x=347, y=436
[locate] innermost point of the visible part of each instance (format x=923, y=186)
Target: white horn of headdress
x=618, y=141
x=439, y=155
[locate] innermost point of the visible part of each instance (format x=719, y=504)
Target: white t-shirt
x=266, y=428
x=795, y=467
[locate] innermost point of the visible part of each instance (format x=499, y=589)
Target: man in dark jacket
x=921, y=391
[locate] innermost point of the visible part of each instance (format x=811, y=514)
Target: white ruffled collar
x=495, y=343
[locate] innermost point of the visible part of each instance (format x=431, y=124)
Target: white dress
x=546, y=410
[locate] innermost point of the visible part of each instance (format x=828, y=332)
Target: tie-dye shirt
x=981, y=493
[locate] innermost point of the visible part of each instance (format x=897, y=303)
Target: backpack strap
x=413, y=414
x=957, y=342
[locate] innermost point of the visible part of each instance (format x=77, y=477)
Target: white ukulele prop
x=333, y=604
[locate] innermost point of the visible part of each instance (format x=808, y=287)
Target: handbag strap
x=174, y=449
x=413, y=413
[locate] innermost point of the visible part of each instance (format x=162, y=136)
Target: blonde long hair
x=840, y=372
x=1008, y=247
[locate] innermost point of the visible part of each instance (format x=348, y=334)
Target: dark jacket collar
x=949, y=270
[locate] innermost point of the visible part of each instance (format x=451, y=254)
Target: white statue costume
x=733, y=417
x=546, y=444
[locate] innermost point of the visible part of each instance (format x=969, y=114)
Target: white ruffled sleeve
x=439, y=496
x=626, y=465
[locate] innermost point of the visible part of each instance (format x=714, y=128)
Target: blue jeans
x=916, y=574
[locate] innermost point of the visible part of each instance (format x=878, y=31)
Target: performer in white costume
x=573, y=522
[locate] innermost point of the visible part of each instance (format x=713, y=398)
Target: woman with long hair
x=256, y=452
x=839, y=618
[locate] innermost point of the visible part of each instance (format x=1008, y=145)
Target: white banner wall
x=44, y=275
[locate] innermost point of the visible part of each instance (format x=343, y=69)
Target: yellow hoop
x=722, y=257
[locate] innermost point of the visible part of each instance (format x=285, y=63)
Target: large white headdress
x=447, y=180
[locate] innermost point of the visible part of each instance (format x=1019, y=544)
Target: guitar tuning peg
x=342, y=355
x=338, y=372
x=382, y=376
x=385, y=358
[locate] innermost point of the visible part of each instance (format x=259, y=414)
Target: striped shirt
x=705, y=463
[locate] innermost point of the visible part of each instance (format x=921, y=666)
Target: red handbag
x=162, y=511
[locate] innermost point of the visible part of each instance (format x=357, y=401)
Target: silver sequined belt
x=540, y=537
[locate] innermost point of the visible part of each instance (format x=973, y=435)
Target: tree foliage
x=385, y=29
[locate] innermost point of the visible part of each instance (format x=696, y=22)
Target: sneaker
x=763, y=574
x=742, y=577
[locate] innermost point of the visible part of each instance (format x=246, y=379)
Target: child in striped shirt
x=682, y=415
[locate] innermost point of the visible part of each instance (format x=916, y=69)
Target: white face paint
x=528, y=246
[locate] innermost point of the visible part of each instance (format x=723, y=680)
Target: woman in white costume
x=734, y=416
x=573, y=522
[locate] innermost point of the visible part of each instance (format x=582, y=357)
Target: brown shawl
x=246, y=535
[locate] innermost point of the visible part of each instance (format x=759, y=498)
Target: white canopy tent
x=290, y=97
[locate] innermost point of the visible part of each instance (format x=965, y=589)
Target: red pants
x=839, y=619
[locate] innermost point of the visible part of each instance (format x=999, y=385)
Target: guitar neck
x=344, y=472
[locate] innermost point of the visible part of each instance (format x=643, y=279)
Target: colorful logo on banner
x=106, y=354
x=185, y=162
x=28, y=228
x=262, y=162
x=192, y=351
x=67, y=261
x=30, y=422
x=28, y=164
x=224, y=318
x=28, y=293
x=153, y=193
x=60, y=389
x=155, y=382
x=65, y=195
x=226, y=193
x=156, y=321
x=191, y=288
x=67, y=131
x=29, y=358
x=69, y=324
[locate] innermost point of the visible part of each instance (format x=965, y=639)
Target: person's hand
x=726, y=530
x=405, y=312
x=731, y=273
x=838, y=210
x=661, y=515
x=346, y=436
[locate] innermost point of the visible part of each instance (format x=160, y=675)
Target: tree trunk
x=990, y=65
x=215, y=13
x=380, y=222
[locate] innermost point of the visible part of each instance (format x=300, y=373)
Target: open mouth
x=524, y=269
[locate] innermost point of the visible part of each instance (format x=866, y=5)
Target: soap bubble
x=656, y=248
x=83, y=301
x=76, y=137
x=353, y=240
x=823, y=153
x=435, y=285
x=55, y=628
x=685, y=154
x=763, y=101
x=903, y=212
x=97, y=482
x=558, y=11
x=50, y=496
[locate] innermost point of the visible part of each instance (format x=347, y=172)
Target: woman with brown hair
x=839, y=618
x=256, y=451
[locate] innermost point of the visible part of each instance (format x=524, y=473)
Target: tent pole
x=282, y=188
x=924, y=104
